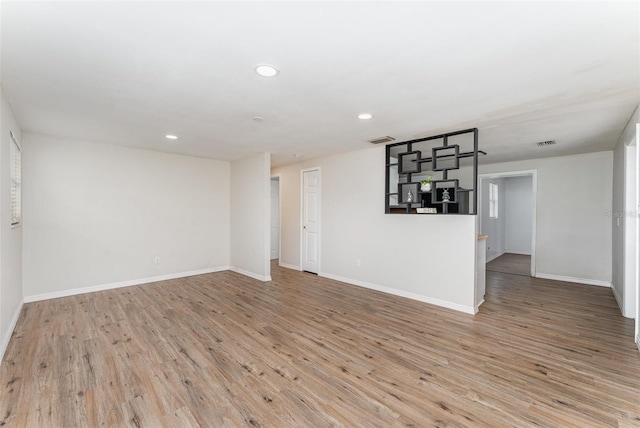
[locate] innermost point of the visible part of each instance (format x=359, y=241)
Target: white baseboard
x=263, y=278
x=618, y=298
x=477, y=308
x=517, y=252
x=101, y=287
x=288, y=266
x=9, y=332
x=638, y=342
x=620, y=304
x=443, y=303
x=573, y=279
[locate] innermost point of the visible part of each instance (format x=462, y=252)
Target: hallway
x=517, y=264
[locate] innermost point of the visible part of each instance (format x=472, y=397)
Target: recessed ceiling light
x=365, y=116
x=171, y=137
x=266, y=70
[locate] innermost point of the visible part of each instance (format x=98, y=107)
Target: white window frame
x=15, y=155
x=493, y=200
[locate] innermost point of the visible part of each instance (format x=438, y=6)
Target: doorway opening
x=507, y=214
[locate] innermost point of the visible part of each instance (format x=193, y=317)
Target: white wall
x=251, y=220
x=518, y=214
x=425, y=257
x=624, y=215
x=97, y=215
x=10, y=238
x=574, y=197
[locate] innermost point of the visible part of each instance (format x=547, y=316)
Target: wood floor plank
x=224, y=350
x=517, y=264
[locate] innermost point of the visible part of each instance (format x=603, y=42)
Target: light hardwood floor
x=302, y=351
x=517, y=264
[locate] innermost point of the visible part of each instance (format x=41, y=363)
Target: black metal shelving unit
x=406, y=160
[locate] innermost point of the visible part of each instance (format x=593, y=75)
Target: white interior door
x=275, y=218
x=311, y=221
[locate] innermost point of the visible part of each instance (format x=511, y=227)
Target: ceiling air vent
x=382, y=140
x=546, y=143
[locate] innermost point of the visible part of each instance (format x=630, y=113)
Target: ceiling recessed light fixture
x=365, y=116
x=266, y=70
x=171, y=137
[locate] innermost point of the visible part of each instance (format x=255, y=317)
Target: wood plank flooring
x=224, y=350
x=517, y=264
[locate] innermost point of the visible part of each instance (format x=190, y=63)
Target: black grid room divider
x=449, y=160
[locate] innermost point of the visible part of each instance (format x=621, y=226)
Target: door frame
x=302, y=171
x=534, y=194
x=637, y=237
x=279, y=180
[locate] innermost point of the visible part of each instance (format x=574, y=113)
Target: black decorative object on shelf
x=451, y=160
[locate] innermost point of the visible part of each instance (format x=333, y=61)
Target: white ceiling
x=128, y=73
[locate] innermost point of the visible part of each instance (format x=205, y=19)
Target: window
x=493, y=200
x=16, y=181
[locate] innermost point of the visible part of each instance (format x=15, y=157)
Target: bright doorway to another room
x=507, y=215
x=275, y=218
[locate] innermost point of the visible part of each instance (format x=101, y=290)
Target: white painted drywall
x=427, y=257
x=574, y=197
x=98, y=214
x=10, y=238
x=518, y=214
x=494, y=228
x=251, y=220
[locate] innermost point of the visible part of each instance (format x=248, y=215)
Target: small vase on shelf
x=425, y=185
